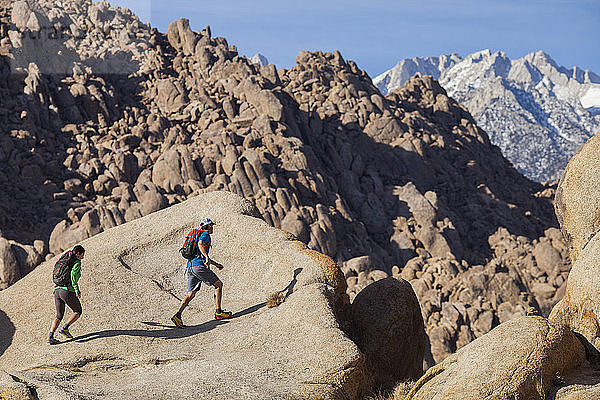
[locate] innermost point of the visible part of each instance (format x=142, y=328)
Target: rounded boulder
x=388, y=328
x=518, y=359
x=577, y=200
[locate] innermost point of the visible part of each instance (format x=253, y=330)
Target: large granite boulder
x=577, y=200
x=388, y=327
x=518, y=359
x=578, y=210
x=580, y=307
x=133, y=280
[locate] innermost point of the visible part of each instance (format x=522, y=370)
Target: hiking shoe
x=223, y=315
x=177, y=321
x=66, y=333
x=52, y=341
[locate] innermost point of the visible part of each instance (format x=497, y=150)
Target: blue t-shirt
x=199, y=261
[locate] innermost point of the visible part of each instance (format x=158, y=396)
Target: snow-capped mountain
x=259, y=59
x=536, y=111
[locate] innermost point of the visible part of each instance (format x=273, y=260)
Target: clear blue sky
x=377, y=33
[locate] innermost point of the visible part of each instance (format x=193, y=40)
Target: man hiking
x=198, y=271
x=67, y=272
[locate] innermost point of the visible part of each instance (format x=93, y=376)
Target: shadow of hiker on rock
x=172, y=332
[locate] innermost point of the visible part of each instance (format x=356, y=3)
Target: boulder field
x=533, y=357
x=116, y=120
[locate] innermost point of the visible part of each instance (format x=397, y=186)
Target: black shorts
x=62, y=297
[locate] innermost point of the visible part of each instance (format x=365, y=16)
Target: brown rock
x=518, y=359
x=152, y=201
x=9, y=266
x=388, y=327
x=181, y=36
x=577, y=200
x=548, y=259
x=579, y=308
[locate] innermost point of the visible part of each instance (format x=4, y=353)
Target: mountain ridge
x=536, y=111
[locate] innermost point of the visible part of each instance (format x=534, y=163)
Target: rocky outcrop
x=577, y=201
x=534, y=357
x=130, y=270
x=460, y=302
x=577, y=209
x=518, y=359
x=388, y=328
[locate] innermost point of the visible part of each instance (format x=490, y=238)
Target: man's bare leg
x=54, y=326
x=218, y=294
x=186, y=300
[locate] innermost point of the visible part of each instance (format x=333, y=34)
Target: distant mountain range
x=536, y=111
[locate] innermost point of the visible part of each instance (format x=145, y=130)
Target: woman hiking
x=67, y=272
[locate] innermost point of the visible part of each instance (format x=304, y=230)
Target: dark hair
x=78, y=249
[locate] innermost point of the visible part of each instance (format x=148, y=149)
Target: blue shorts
x=197, y=275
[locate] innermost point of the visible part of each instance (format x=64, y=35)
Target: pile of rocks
x=408, y=180
x=535, y=357
x=461, y=302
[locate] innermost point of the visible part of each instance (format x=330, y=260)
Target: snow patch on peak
x=591, y=97
x=536, y=111
x=407, y=68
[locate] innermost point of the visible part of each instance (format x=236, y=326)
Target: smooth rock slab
x=133, y=278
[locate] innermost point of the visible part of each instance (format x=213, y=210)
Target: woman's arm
x=75, y=275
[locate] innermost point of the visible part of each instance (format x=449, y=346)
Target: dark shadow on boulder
x=290, y=288
x=591, y=353
x=7, y=331
x=168, y=331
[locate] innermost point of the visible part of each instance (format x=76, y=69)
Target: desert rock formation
x=578, y=210
x=126, y=347
x=388, y=328
x=535, y=357
x=518, y=359
x=136, y=120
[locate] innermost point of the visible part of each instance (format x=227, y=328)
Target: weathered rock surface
x=518, y=359
x=577, y=200
x=577, y=209
x=460, y=302
x=580, y=307
x=130, y=287
x=388, y=328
